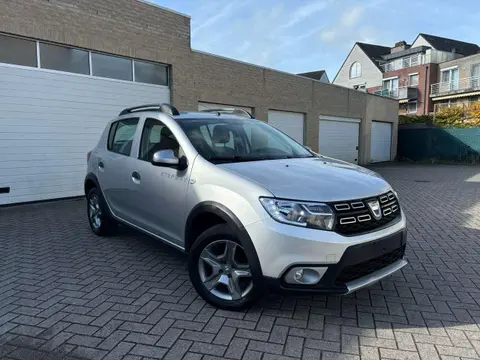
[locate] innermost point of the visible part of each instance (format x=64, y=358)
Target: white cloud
x=328, y=36
x=244, y=47
x=305, y=11
x=351, y=16
x=212, y=20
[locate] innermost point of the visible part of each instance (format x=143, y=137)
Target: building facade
x=72, y=66
x=458, y=83
x=406, y=73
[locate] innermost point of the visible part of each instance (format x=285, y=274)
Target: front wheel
x=221, y=270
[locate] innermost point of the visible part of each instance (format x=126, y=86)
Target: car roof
x=206, y=115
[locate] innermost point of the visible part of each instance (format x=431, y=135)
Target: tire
x=100, y=220
x=220, y=278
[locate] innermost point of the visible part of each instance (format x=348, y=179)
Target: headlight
x=299, y=213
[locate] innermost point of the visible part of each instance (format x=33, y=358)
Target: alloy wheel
x=94, y=211
x=224, y=270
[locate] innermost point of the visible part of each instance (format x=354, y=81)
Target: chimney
x=399, y=46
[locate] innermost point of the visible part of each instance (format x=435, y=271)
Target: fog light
x=298, y=275
x=305, y=275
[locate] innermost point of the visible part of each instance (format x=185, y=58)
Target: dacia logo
x=374, y=206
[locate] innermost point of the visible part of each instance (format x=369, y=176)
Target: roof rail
x=165, y=108
x=240, y=112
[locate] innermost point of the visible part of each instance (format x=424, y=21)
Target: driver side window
x=157, y=136
x=260, y=139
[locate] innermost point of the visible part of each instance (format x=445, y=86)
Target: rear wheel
x=98, y=217
x=221, y=271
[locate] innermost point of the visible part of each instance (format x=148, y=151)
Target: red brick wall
x=427, y=75
x=373, y=89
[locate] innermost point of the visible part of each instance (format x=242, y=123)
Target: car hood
x=312, y=179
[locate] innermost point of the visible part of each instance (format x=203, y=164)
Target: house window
x=63, y=58
x=413, y=79
x=450, y=79
x=412, y=107
x=151, y=73
x=390, y=87
x=112, y=67
x=18, y=51
x=355, y=70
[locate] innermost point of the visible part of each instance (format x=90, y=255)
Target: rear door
x=115, y=163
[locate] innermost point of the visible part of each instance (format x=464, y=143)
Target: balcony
x=401, y=93
x=454, y=87
x=430, y=56
x=403, y=63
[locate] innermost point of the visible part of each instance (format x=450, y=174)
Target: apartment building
x=404, y=72
x=458, y=83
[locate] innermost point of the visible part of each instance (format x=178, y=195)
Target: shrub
x=456, y=116
x=415, y=119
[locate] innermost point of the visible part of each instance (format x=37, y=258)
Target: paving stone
x=148, y=351
x=65, y=293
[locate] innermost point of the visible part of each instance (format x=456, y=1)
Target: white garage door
x=49, y=121
x=291, y=123
x=338, y=138
x=207, y=106
x=381, y=143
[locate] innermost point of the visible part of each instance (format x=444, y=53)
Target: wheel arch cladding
x=91, y=181
x=219, y=212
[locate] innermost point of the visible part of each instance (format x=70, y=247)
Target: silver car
x=253, y=209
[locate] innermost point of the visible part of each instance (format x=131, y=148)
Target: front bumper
x=350, y=262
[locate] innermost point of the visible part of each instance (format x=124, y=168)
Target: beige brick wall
x=135, y=29
x=464, y=65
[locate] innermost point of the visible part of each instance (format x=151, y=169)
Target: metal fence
x=419, y=142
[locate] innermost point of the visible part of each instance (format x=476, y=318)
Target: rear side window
x=122, y=133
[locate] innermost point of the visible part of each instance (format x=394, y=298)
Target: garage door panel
x=381, y=142
x=291, y=123
x=54, y=114
x=339, y=139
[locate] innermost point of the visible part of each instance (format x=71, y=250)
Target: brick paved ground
x=67, y=294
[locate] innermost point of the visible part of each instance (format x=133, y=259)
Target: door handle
x=136, y=177
x=100, y=165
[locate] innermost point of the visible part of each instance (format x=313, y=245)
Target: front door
x=114, y=166
x=158, y=193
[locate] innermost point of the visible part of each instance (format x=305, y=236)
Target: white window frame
x=364, y=84
x=357, y=67
x=416, y=107
x=413, y=74
x=90, y=74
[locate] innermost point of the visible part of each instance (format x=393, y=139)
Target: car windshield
x=222, y=140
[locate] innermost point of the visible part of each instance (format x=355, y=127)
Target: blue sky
x=306, y=35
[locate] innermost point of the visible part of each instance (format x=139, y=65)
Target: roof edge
x=147, y=2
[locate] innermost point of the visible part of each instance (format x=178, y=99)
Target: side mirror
x=168, y=159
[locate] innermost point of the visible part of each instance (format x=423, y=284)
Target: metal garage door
x=49, y=120
x=207, y=106
x=381, y=143
x=291, y=123
x=338, y=138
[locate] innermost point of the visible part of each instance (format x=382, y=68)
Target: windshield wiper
x=234, y=158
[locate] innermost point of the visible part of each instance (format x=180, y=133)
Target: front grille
x=355, y=216
x=356, y=271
